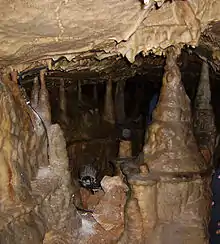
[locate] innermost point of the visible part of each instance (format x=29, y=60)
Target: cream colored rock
x=170, y=197
x=109, y=213
x=50, y=29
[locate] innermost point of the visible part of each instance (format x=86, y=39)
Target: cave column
x=63, y=105
x=79, y=89
x=119, y=102
x=18, y=143
x=95, y=93
x=42, y=116
x=35, y=93
x=170, y=193
x=109, y=107
x=14, y=75
x=44, y=108
x=204, y=121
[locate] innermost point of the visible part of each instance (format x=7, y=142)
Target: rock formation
x=63, y=108
x=44, y=108
x=169, y=190
x=204, y=120
x=35, y=197
x=108, y=217
x=122, y=27
x=109, y=113
x=35, y=93
x=168, y=200
x=119, y=102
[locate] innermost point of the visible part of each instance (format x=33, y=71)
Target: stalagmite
x=44, y=108
x=172, y=191
x=38, y=123
x=119, y=102
x=14, y=75
x=124, y=154
x=35, y=93
x=63, y=112
x=79, y=91
x=204, y=121
x=125, y=149
x=95, y=94
x=16, y=133
x=109, y=108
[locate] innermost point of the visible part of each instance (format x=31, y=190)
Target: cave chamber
x=109, y=125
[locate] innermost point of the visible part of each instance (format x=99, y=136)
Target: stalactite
x=14, y=78
x=173, y=108
x=95, y=94
x=204, y=121
x=14, y=75
x=35, y=93
x=16, y=133
x=119, y=102
x=109, y=108
x=44, y=108
x=79, y=91
x=63, y=105
x=125, y=149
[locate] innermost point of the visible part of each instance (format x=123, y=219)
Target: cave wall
x=35, y=197
x=21, y=145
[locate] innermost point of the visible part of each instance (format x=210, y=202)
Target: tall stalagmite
x=109, y=108
x=204, y=121
x=79, y=90
x=63, y=111
x=170, y=189
x=119, y=102
x=44, y=108
x=35, y=199
x=95, y=94
x=35, y=93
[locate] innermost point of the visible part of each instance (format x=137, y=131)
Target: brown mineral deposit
x=125, y=149
x=109, y=114
x=204, y=119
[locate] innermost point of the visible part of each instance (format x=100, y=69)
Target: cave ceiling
x=40, y=32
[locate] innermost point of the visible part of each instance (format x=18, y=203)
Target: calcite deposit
x=160, y=198
x=50, y=29
x=169, y=196
x=109, y=113
x=36, y=198
x=204, y=119
x=107, y=220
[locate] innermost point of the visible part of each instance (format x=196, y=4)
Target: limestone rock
x=50, y=29
x=109, y=213
x=171, y=146
x=109, y=113
x=170, y=197
x=204, y=119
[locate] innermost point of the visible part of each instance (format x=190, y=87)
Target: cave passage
x=78, y=104
x=109, y=119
